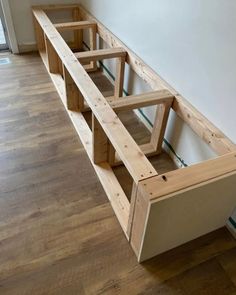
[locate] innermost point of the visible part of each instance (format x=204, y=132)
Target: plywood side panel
x=191, y=213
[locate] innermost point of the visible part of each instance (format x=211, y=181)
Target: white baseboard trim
x=30, y=47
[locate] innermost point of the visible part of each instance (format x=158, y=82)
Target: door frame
x=4, y=46
x=9, y=26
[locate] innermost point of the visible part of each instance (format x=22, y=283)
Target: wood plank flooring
x=58, y=233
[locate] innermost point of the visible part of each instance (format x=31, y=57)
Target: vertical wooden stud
x=39, y=34
x=119, y=82
x=53, y=59
x=78, y=34
x=159, y=126
x=132, y=207
x=100, y=142
x=75, y=100
x=93, y=44
x=111, y=154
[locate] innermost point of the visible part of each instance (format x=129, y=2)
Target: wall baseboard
x=24, y=48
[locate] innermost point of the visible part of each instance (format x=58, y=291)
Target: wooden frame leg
x=100, y=142
x=111, y=154
x=93, y=44
x=159, y=126
x=75, y=100
x=78, y=34
x=119, y=82
x=40, y=38
x=132, y=207
x=53, y=59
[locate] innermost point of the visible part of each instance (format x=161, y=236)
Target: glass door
x=3, y=32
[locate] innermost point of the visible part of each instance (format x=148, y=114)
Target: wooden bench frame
x=152, y=194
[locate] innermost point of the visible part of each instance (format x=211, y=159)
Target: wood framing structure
x=164, y=210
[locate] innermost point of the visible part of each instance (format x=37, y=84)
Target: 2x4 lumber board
x=56, y=7
x=119, y=81
x=221, y=145
x=147, y=148
x=159, y=126
x=203, y=127
x=76, y=25
x=39, y=34
x=96, y=55
x=133, y=158
x=93, y=45
x=53, y=60
x=74, y=98
x=141, y=100
x=174, y=181
x=113, y=189
x=78, y=34
x=133, y=199
x=100, y=142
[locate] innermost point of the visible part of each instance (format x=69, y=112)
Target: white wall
x=192, y=45
x=22, y=19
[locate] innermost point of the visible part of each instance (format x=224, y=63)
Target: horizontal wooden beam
x=212, y=135
x=147, y=148
x=56, y=6
x=190, y=176
x=77, y=25
x=95, y=55
x=142, y=100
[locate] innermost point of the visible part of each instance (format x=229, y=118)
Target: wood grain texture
x=58, y=232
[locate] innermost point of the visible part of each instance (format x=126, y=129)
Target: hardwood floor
x=58, y=233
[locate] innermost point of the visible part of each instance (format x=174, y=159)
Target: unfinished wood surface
x=100, y=143
x=119, y=78
x=100, y=54
x=75, y=25
x=74, y=98
x=56, y=7
x=93, y=44
x=141, y=100
x=184, y=178
x=131, y=155
x=159, y=126
x=113, y=189
x=220, y=143
x=78, y=34
x=53, y=61
x=203, y=127
x=39, y=34
x=58, y=229
x=192, y=212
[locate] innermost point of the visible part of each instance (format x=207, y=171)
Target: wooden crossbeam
x=77, y=25
x=139, y=101
x=96, y=55
x=56, y=7
x=147, y=148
